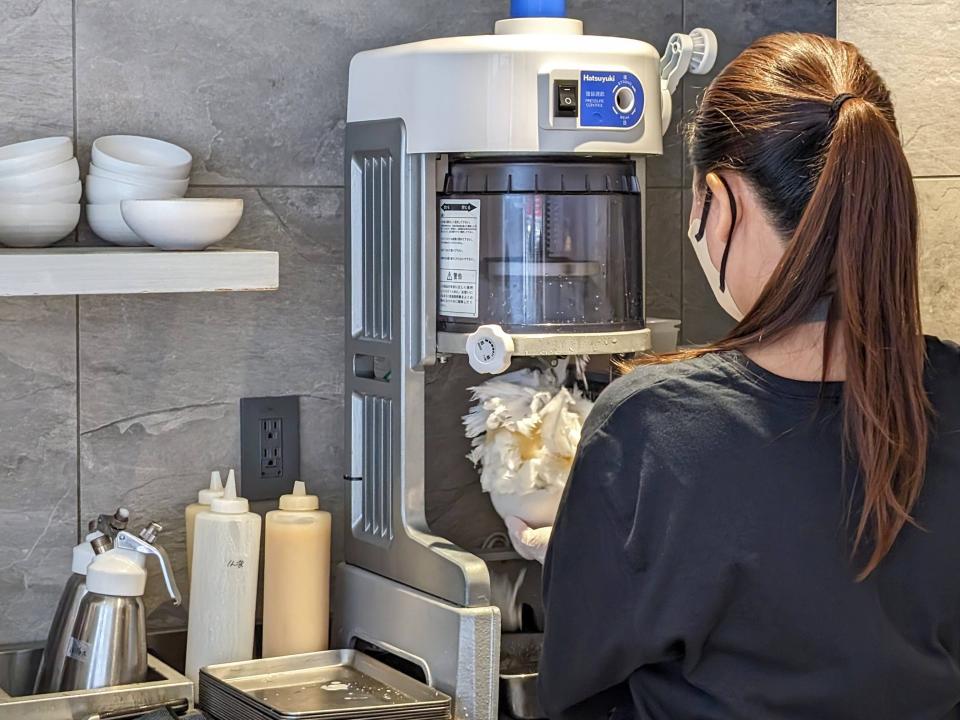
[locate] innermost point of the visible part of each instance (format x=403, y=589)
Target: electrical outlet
x=269, y=446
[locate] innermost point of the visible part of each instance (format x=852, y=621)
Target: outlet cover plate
x=269, y=446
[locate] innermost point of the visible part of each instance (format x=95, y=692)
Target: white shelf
x=117, y=270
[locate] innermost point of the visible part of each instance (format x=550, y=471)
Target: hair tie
x=837, y=103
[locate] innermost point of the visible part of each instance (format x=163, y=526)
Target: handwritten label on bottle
x=235, y=563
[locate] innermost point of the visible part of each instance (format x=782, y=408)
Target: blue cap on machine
x=538, y=8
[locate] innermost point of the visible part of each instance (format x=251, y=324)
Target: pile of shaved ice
x=524, y=430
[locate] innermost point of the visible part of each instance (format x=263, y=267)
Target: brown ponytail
x=834, y=178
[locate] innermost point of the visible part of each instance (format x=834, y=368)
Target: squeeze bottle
x=202, y=504
x=296, y=576
x=223, y=593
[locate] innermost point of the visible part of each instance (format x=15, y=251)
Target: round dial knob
x=625, y=100
x=489, y=349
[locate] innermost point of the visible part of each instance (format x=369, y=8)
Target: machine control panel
x=610, y=99
x=595, y=99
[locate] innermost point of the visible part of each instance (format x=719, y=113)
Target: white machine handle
x=695, y=53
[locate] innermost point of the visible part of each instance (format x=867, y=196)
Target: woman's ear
x=720, y=219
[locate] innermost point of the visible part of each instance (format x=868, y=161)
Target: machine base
x=458, y=649
x=559, y=344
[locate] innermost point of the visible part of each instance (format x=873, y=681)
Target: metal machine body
x=413, y=111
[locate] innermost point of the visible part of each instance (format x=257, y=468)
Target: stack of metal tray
x=331, y=685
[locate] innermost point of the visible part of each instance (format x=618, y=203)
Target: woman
x=768, y=527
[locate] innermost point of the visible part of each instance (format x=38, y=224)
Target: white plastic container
x=223, y=592
x=663, y=334
x=204, y=497
x=296, y=576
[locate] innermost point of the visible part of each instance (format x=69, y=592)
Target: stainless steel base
x=457, y=648
x=18, y=670
x=519, y=662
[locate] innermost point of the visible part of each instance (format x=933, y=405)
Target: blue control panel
x=610, y=99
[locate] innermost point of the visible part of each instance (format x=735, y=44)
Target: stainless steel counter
x=18, y=670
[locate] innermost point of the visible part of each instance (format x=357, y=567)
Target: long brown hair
x=834, y=179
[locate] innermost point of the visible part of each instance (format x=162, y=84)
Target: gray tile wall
x=38, y=346
x=108, y=400
x=898, y=39
x=736, y=23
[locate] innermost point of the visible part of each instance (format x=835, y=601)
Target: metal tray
x=223, y=704
x=334, y=683
x=18, y=668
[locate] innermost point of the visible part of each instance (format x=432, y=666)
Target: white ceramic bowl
x=102, y=191
x=56, y=194
x=537, y=509
x=66, y=173
x=141, y=156
x=31, y=155
x=27, y=226
x=107, y=223
x=177, y=187
x=185, y=224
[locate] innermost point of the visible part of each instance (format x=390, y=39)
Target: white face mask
x=713, y=274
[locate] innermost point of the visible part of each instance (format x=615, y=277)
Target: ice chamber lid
x=542, y=175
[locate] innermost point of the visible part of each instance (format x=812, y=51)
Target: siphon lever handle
x=127, y=541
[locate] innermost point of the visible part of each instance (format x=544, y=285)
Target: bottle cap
x=83, y=553
x=116, y=573
x=538, y=8
x=215, y=490
x=230, y=504
x=299, y=500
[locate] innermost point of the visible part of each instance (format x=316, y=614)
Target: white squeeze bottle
x=201, y=505
x=296, y=576
x=223, y=592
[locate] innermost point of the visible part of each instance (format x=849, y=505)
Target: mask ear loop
x=733, y=224
x=707, y=200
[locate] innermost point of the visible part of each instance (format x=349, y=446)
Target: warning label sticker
x=459, y=257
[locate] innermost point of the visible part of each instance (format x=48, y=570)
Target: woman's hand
x=530, y=543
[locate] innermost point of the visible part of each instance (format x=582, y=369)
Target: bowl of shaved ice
x=524, y=428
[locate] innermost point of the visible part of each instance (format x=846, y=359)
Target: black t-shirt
x=700, y=564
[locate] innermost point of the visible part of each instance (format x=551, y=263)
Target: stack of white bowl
x=135, y=192
x=129, y=167
x=39, y=192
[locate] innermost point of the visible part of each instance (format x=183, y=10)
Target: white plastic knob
x=489, y=349
x=704, y=51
